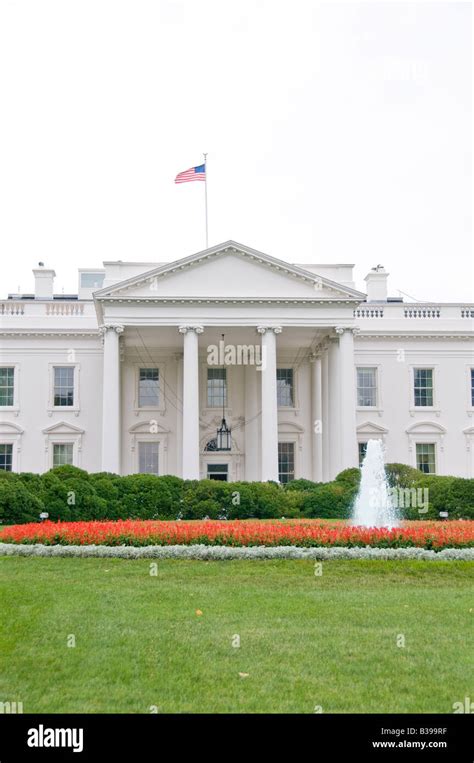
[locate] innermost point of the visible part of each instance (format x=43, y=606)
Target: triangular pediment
x=229, y=271
x=63, y=427
x=370, y=427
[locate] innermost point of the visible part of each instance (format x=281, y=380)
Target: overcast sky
x=336, y=132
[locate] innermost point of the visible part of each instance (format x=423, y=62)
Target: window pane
x=149, y=388
x=425, y=457
x=92, y=280
x=362, y=452
x=216, y=387
x=423, y=378
x=286, y=461
x=7, y=386
x=285, y=387
x=63, y=453
x=218, y=472
x=64, y=385
x=6, y=457
x=148, y=457
x=366, y=386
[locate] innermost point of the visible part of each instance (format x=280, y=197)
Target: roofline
x=179, y=264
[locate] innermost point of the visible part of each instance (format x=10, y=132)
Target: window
x=6, y=457
x=367, y=387
x=423, y=378
x=362, y=451
x=148, y=457
x=92, y=280
x=148, y=388
x=285, y=387
x=286, y=461
x=63, y=453
x=216, y=387
x=218, y=472
x=7, y=384
x=425, y=458
x=472, y=387
x=63, y=385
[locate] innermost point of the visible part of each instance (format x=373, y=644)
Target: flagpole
x=205, y=198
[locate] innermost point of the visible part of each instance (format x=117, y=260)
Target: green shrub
x=402, y=475
x=349, y=477
x=332, y=500
x=17, y=504
x=301, y=484
x=144, y=496
x=69, y=494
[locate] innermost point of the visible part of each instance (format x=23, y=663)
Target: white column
x=316, y=416
x=251, y=423
x=349, y=456
x=334, y=430
x=325, y=411
x=111, y=430
x=179, y=414
x=190, y=401
x=269, y=417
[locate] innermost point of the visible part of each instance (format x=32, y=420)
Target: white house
x=132, y=374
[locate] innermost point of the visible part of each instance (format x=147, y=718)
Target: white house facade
x=136, y=372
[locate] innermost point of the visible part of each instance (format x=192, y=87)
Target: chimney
x=376, y=281
x=43, y=282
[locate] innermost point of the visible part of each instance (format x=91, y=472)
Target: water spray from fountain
x=373, y=506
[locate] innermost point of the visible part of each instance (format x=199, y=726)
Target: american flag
x=194, y=173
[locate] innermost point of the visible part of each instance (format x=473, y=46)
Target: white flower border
x=220, y=553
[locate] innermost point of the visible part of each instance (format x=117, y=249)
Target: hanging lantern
x=223, y=439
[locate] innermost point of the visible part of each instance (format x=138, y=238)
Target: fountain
x=373, y=506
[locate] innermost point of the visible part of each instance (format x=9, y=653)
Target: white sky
x=336, y=133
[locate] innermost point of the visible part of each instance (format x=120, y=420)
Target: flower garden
x=304, y=533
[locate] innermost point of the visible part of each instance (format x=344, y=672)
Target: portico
x=262, y=420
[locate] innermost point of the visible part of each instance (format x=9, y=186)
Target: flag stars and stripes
x=194, y=173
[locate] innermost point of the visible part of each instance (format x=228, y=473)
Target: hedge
x=68, y=493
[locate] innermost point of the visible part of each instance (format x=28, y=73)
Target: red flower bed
x=435, y=535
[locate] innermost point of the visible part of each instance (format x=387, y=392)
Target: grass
x=306, y=640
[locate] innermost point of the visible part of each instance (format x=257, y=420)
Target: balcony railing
x=418, y=312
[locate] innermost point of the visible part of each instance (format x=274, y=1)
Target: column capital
x=352, y=329
x=184, y=329
x=118, y=328
x=264, y=329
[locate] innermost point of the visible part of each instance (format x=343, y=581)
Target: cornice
x=231, y=300
x=92, y=334
x=464, y=335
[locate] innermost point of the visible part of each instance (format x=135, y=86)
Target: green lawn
x=306, y=640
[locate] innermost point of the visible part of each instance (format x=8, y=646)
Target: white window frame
x=283, y=364
x=427, y=432
x=285, y=440
x=140, y=432
x=77, y=400
x=11, y=434
x=375, y=368
x=54, y=443
x=470, y=406
x=15, y=408
x=420, y=408
x=214, y=410
x=153, y=440
x=60, y=433
x=161, y=407
x=435, y=447
x=220, y=462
